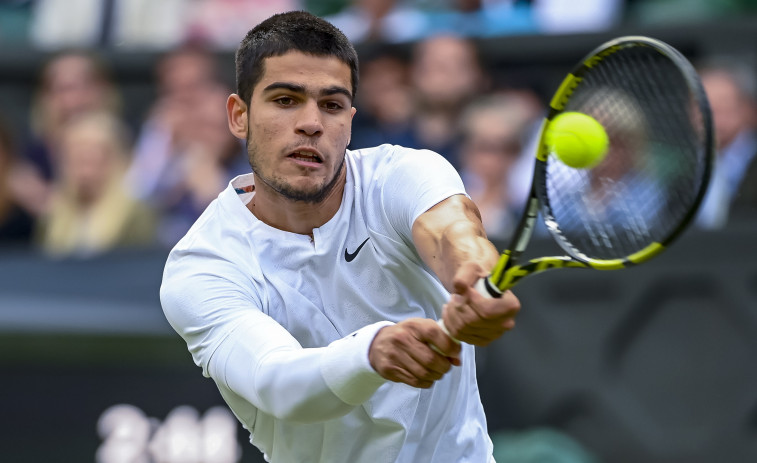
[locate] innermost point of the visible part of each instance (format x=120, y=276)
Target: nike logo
x=350, y=256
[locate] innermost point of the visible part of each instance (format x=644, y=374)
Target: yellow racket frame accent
x=504, y=277
x=507, y=272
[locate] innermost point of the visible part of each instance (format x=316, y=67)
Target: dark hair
x=283, y=32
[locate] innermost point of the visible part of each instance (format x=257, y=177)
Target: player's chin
x=305, y=189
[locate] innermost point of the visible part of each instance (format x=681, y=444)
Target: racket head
x=649, y=186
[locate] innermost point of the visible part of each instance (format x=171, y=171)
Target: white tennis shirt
x=283, y=324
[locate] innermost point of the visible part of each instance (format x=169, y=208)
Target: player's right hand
x=471, y=317
x=403, y=353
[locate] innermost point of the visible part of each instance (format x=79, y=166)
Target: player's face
x=299, y=125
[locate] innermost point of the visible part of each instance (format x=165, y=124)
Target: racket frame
x=508, y=271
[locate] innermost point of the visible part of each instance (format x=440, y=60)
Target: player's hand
x=403, y=353
x=474, y=318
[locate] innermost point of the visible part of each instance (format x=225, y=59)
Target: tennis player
x=310, y=289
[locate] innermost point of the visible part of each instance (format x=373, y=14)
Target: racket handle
x=487, y=289
x=446, y=331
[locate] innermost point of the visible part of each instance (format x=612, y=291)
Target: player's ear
x=236, y=110
x=352, y=115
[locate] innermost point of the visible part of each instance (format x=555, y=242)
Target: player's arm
x=249, y=354
x=451, y=240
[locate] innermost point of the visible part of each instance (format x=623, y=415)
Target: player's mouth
x=306, y=157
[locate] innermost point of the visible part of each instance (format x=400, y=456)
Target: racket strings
x=650, y=179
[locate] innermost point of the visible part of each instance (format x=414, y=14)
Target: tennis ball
x=578, y=140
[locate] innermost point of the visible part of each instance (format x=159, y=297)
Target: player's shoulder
x=382, y=158
x=388, y=151
x=218, y=234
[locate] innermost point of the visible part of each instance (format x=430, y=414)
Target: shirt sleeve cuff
x=346, y=369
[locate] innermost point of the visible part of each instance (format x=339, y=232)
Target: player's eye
x=333, y=106
x=285, y=101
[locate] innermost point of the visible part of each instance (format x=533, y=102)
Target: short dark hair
x=283, y=32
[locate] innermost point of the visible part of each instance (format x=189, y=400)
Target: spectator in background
x=180, y=76
x=533, y=110
x=732, y=196
x=73, y=23
x=146, y=24
x=446, y=74
x=91, y=211
x=493, y=130
x=185, y=154
x=221, y=22
x=482, y=18
x=16, y=223
x=71, y=83
x=385, y=101
x=563, y=17
x=383, y=21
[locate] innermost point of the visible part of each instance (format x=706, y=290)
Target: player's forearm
x=254, y=357
x=451, y=234
x=300, y=385
x=461, y=243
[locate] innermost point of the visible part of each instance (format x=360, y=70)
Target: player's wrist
x=346, y=367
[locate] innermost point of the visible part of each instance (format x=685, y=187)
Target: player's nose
x=309, y=119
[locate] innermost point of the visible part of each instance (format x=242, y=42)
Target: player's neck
x=295, y=216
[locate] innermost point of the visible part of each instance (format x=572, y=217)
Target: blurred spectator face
x=385, y=91
x=492, y=145
x=73, y=84
x=90, y=156
x=446, y=70
x=732, y=110
x=206, y=126
x=182, y=74
x=376, y=8
x=185, y=78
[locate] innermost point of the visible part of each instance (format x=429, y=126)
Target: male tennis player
x=309, y=290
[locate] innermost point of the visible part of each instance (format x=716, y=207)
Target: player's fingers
x=453, y=315
x=466, y=277
x=489, y=317
x=437, y=363
x=442, y=342
x=480, y=320
x=482, y=340
x=494, y=309
x=399, y=366
x=478, y=330
x=402, y=375
x=438, y=352
x=402, y=352
x=423, y=364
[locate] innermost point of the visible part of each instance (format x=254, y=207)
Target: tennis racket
x=646, y=190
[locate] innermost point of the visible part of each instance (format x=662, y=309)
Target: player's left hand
x=474, y=318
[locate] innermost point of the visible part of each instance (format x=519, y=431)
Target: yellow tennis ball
x=578, y=140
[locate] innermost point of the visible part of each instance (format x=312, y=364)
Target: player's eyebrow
x=295, y=88
x=336, y=90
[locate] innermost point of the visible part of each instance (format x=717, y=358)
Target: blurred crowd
x=151, y=24
x=83, y=180
x=162, y=24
